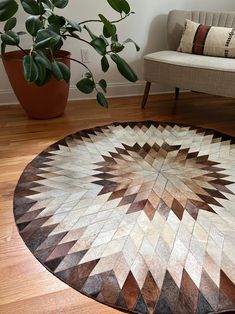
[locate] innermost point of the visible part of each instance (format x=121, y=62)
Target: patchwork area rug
x=139, y=216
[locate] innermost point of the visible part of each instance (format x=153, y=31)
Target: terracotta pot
x=44, y=102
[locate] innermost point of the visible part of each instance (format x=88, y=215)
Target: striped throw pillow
x=208, y=40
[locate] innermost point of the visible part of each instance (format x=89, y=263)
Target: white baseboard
x=7, y=97
x=120, y=90
x=114, y=90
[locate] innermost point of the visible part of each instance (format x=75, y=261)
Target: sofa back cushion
x=176, y=23
x=201, y=39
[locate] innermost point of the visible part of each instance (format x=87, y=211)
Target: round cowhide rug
x=139, y=216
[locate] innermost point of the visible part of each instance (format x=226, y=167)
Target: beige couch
x=212, y=75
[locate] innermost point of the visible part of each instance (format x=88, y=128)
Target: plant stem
x=51, y=53
x=75, y=60
x=79, y=62
x=113, y=22
x=25, y=52
x=78, y=38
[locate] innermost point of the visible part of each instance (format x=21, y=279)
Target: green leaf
x=124, y=68
x=56, y=20
x=116, y=5
x=93, y=36
x=47, y=4
x=104, y=64
x=60, y=71
x=125, y=6
x=56, y=71
x=41, y=59
x=44, y=73
x=103, y=84
x=32, y=7
x=58, y=45
x=7, y=9
x=109, y=30
x=5, y=3
x=11, y=23
x=105, y=40
x=30, y=69
x=102, y=100
x=45, y=43
x=46, y=39
x=54, y=28
x=74, y=25
x=60, y=3
x=33, y=24
x=99, y=45
x=129, y=40
x=107, y=33
x=43, y=77
x=10, y=38
x=41, y=74
x=65, y=71
x=117, y=47
x=86, y=85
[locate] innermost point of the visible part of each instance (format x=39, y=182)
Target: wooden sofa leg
x=146, y=93
x=177, y=92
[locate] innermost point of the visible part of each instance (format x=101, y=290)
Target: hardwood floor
x=25, y=285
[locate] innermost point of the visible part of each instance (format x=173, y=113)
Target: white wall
x=147, y=27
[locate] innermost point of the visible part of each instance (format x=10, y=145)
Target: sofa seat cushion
x=191, y=60
x=212, y=75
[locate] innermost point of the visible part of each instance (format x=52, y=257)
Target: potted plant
x=40, y=74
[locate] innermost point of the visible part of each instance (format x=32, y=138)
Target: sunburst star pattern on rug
x=139, y=216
